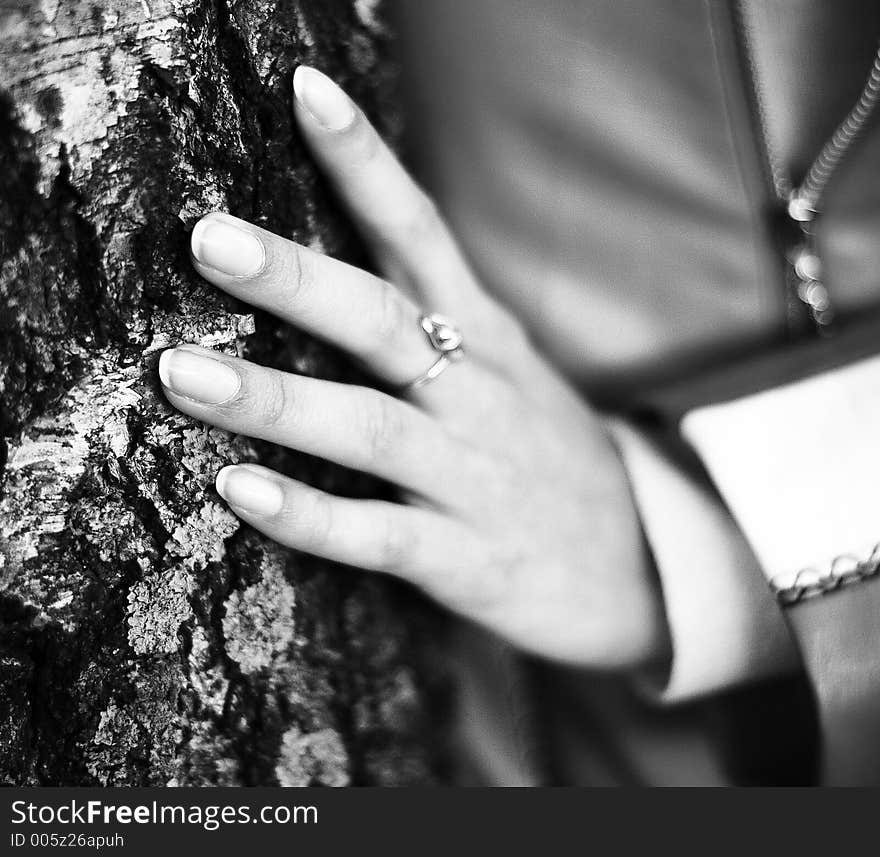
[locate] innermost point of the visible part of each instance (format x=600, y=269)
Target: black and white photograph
x=446, y=393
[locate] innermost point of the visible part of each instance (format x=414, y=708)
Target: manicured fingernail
x=327, y=103
x=250, y=490
x=222, y=244
x=197, y=376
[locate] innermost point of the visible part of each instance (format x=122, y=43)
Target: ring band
x=446, y=340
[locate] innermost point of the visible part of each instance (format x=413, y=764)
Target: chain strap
x=811, y=582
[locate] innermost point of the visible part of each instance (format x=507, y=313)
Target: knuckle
x=510, y=401
x=275, y=405
x=391, y=317
x=478, y=586
x=505, y=327
x=497, y=477
x=296, y=271
x=384, y=427
x=364, y=146
x=396, y=547
x=319, y=522
x=493, y=586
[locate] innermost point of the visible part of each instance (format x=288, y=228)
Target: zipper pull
x=800, y=209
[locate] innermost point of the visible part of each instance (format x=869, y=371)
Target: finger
x=398, y=218
x=418, y=545
x=357, y=311
x=353, y=426
x=371, y=319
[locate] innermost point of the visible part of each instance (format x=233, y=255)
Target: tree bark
x=146, y=636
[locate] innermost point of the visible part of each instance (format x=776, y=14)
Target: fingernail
x=226, y=246
x=250, y=490
x=327, y=103
x=198, y=377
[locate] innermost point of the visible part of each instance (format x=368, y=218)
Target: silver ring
x=446, y=340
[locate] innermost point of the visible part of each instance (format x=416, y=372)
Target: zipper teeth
x=813, y=185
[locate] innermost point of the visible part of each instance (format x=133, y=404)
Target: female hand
x=516, y=511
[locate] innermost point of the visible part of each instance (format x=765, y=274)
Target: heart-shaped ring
x=446, y=340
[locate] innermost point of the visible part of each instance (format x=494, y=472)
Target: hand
x=516, y=511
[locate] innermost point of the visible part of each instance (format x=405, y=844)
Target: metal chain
x=813, y=185
x=810, y=582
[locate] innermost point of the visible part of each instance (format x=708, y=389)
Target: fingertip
x=251, y=489
x=197, y=374
x=227, y=244
x=323, y=100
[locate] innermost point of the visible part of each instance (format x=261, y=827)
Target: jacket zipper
x=801, y=205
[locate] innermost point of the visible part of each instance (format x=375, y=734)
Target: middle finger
x=361, y=313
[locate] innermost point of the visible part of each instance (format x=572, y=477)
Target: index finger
x=399, y=219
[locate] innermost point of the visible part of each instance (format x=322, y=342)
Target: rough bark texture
x=146, y=637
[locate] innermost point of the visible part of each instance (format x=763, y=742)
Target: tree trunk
x=146, y=636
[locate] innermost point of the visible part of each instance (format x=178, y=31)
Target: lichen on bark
x=146, y=636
